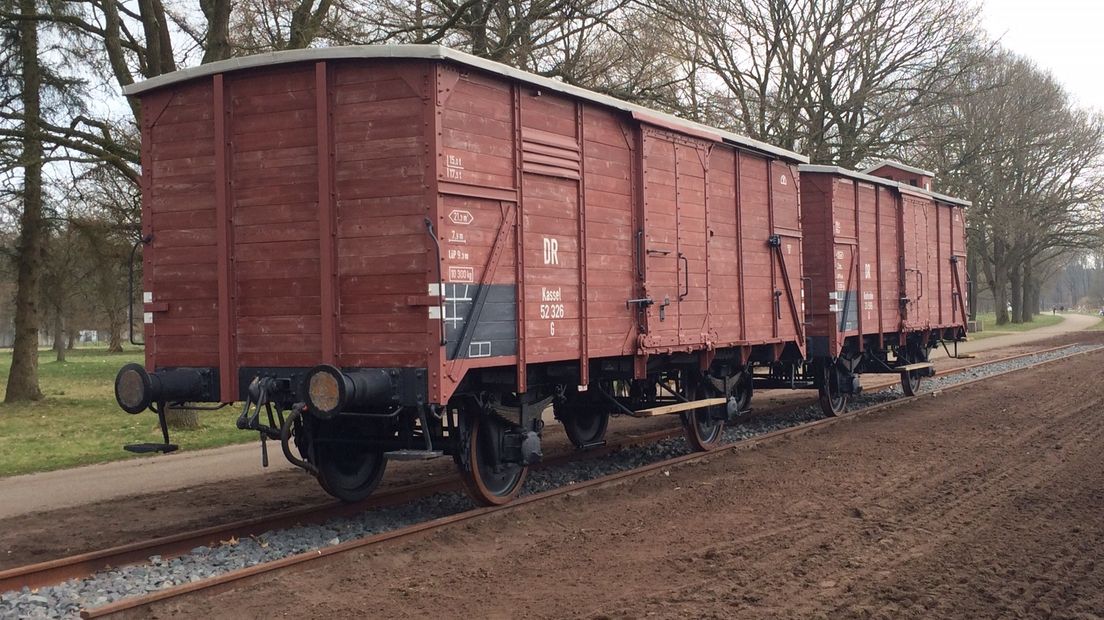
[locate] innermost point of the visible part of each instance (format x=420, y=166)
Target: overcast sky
x=1065, y=37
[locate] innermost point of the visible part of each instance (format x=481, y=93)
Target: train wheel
x=910, y=383
x=585, y=426
x=347, y=471
x=704, y=427
x=489, y=481
x=832, y=401
x=742, y=390
x=584, y=420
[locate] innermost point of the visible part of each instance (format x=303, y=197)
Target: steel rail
x=139, y=606
x=51, y=572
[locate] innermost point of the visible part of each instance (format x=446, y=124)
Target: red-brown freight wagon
x=885, y=266
x=406, y=251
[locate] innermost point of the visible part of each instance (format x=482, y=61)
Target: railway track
x=139, y=606
x=78, y=566
x=55, y=571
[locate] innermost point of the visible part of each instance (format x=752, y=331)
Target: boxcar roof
x=436, y=52
x=862, y=176
x=898, y=165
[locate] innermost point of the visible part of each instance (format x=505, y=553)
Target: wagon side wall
x=536, y=195
x=934, y=245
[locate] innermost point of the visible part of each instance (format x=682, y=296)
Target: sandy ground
x=50, y=515
x=985, y=502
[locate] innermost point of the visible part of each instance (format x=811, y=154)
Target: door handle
x=686, y=270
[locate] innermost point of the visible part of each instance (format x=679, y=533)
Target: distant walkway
x=1070, y=323
x=92, y=483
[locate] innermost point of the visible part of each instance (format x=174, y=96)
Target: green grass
x=79, y=422
x=990, y=327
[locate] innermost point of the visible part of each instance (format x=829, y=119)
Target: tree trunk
x=71, y=343
x=1015, y=284
x=1030, y=292
x=31, y=250
x=998, y=282
x=115, y=341
x=478, y=28
x=971, y=290
x=59, y=336
x=181, y=419
x=217, y=42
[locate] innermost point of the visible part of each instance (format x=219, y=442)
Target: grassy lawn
x=79, y=422
x=989, y=324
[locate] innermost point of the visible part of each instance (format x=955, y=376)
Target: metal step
x=679, y=407
x=916, y=366
x=146, y=448
x=413, y=455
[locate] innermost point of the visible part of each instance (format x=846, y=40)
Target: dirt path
x=61, y=513
x=1070, y=323
x=982, y=503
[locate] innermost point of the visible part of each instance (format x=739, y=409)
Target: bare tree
x=30, y=251
x=1032, y=164
x=836, y=79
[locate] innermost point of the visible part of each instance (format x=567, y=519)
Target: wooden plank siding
x=902, y=243
x=292, y=230
x=180, y=263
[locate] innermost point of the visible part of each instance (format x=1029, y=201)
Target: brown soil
x=46, y=535
x=984, y=502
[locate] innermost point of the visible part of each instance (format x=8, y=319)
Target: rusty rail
x=55, y=571
x=139, y=606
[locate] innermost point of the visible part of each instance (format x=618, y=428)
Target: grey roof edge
x=437, y=52
x=863, y=176
x=900, y=166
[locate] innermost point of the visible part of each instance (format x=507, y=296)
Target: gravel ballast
x=65, y=600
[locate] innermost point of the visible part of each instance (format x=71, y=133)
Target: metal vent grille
x=549, y=154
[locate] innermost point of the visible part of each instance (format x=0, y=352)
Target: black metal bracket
x=686, y=271
x=164, y=448
x=440, y=283
x=613, y=400
x=640, y=254
x=261, y=389
x=774, y=241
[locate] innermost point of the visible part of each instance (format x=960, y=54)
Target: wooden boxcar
x=406, y=251
x=885, y=263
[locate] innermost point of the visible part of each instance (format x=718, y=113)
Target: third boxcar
x=885, y=260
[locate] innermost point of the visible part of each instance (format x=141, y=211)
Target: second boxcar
x=886, y=269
